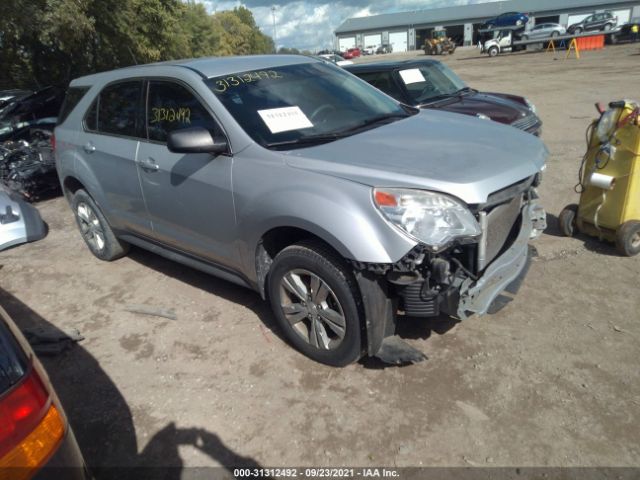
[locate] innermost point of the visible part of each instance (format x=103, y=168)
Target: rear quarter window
x=13, y=363
x=71, y=100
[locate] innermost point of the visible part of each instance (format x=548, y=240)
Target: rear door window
x=118, y=110
x=172, y=106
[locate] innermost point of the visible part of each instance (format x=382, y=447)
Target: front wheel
x=555, y=34
x=493, y=52
x=577, y=31
x=316, y=302
x=607, y=27
x=628, y=239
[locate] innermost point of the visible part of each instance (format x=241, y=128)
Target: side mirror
x=195, y=140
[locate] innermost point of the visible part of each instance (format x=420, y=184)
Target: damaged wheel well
x=273, y=242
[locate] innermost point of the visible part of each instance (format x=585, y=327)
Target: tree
x=45, y=42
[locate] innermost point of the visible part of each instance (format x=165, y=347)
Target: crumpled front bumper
x=476, y=296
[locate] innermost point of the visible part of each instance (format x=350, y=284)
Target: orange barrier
x=595, y=42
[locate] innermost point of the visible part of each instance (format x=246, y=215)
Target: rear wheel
x=567, y=220
x=607, y=27
x=316, y=302
x=628, y=239
x=95, y=229
x=555, y=34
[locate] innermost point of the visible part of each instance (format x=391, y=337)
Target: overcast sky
x=310, y=24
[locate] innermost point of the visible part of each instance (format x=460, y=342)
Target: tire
x=607, y=27
x=567, y=220
x=555, y=34
x=438, y=49
x=525, y=37
x=493, y=51
x=577, y=31
x=335, y=315
x=95, y=229
x=518, y=22
x=628, y=239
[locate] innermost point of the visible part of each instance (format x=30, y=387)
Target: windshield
x=295, y=103
x=431, y=81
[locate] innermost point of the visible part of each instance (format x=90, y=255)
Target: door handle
x=89, y=147
x=149, y=165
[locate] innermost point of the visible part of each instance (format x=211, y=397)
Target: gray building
x=408, y=30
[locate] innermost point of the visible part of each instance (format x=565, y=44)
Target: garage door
x=398, y=41
x=347, y=43
x=623, y=16
x=372, y=40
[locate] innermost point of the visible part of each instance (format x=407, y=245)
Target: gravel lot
x=551, y=380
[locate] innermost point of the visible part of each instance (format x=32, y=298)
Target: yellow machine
x=610, y=180
x=439, y=43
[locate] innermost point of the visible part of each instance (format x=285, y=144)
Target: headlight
x=531, y=106
x=431, y=218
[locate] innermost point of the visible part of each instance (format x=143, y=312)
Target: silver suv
x=292, y=177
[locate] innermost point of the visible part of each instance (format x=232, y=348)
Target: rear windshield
x=13, y=363
x=73, y=96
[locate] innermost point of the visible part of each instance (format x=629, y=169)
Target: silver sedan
x=545, y=30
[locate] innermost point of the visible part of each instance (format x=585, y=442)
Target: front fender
x=338, y=211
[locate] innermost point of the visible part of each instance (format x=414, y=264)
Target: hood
x=498, y=108
x=462, y=156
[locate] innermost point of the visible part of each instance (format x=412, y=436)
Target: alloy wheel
x=312, y=309
x=90, y=227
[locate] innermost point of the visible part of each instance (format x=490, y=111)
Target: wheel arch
x=70, y=185
x=278, y=238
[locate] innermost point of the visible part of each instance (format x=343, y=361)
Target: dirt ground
x=551, y=380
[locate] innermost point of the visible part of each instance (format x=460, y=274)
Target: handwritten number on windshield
x=248, y=78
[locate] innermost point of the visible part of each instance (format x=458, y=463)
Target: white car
x=371, y=50
x=337, y=59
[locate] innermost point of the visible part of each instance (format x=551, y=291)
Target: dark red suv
x=431, y=84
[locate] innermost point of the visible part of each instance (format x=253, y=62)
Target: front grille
x=526, y=123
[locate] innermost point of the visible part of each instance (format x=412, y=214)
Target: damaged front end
x=19, y=221
x=464, y=279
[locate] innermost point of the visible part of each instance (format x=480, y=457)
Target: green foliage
x=288, y=51
x=44, y=42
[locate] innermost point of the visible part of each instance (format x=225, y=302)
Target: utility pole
x=275, y=41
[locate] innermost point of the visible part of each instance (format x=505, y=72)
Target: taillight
x=53, y=142
x=31, y=428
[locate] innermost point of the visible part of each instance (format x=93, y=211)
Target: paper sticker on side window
x=413, y=75
x=285, y=119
